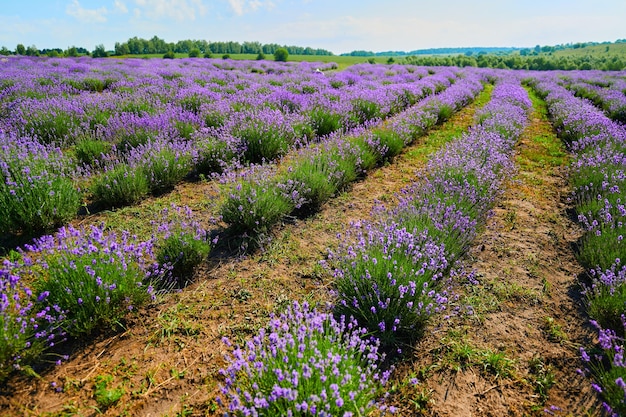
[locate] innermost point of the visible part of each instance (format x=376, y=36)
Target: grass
x=438, y=137
x=342, y=62
x=458, y=352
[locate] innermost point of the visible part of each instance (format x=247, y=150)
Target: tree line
x=156, y=45
x=514, y=61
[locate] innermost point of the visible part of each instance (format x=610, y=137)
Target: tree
x=281, y=55
x=20, y=49
x=5, y=51
x=194, y=53
x=169, y=55
x=121, y=48
x=32, y=51
x=260, y=56
x=72, y=51
x=100, y=52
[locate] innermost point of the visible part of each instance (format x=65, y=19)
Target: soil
x=167, y=359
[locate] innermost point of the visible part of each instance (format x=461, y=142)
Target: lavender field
x=256, y=238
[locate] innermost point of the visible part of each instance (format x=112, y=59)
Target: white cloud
x=241, y=7
x=237, y=6
x=86, y=15
x=120, y=6
x=180, y=10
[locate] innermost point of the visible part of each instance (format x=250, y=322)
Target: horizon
x=396, y=25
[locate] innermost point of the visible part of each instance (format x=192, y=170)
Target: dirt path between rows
x=167, y=361
x=517, y=355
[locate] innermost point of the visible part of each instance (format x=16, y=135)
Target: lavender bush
x=390, y=274
x=26, y=329
x=388, y=280
x=94, y=277
x=254, y=203
x=37, y=192
x=181, y=245
x=120, y=185
x=597, y=175
x=305, y=363
x=608, y=368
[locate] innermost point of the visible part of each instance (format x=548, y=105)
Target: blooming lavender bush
x=597, y=175
x=94, y=277
x=92, y=152
x=254, y=203
x=318, y=173
x=120, y=185
x=389, y=281
x=305, y=363
x=36, y=190
x=26, y=328
x=608, y=368
x=606, y=296
x=164, y=163
x=389, y=275
x=181, y=244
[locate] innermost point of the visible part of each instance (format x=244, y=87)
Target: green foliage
x=120, y=186
x=365, y=110
x=105, y=395
x=264, y=141
x=194, y=53
x=253, y=207
x=52, y=126
x=166, y=168
x=607, y=304
x=281, y=55
x=100, y=52
x=213, y=155
x=169, y=55
x=36, y=196
x=89, y=151
x=181, y=252
x=324, y=121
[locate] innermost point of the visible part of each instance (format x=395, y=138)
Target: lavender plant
x=120, y=185
x=254, y=203
x=94, y=277
x=181, y=245
x=389, y=281
x=305, y=363
x=26, y=329
x=37, y=192
x=606, y=296
x=164, y=163
x=608, y=369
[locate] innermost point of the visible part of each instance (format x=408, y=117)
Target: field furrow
x=517, y=352
x=167, y=360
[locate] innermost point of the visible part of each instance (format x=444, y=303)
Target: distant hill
x=440, y=51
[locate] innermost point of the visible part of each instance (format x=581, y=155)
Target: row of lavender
x=81, y=280
x=391, y=276
x=597, y=175
x=258, y=198
x=85, y=280
x=608, y=92
x=145, y=126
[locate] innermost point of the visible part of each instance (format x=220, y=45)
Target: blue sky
x=337, y=25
